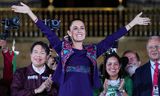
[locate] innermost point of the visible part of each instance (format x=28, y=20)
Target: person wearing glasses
x=146, y=77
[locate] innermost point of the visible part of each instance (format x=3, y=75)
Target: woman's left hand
x=138, y=20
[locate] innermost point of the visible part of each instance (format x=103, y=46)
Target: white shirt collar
x=152, y=62
x=39, y=70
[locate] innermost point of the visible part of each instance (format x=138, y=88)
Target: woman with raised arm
x=77, y=73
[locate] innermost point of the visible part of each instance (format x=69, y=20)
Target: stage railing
x=99, y=22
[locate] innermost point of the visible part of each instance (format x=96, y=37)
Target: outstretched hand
x=138, y=20
x=22, y=8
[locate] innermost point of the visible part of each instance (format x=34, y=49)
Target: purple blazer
x=100, y=48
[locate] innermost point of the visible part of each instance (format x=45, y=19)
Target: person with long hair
x=116, y=83
x=77, y=72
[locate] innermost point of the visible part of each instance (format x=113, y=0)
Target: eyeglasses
x=153, y=47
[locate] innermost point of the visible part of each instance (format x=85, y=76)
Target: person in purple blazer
x=77, y=73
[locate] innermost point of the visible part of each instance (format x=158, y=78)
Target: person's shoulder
x=21, y=70
x=142, y=68
x=20, y=73
x=127, y=78
x=49, y=70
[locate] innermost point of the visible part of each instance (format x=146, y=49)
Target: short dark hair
x=44, y=46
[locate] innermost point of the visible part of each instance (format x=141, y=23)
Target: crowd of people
x=76, y=72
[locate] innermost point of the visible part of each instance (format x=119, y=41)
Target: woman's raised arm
x=23, y=8
x=138, y=20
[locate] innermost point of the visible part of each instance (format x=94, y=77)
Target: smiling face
x=38, y=56
x=77, y=31
x=112, y=67
x=153, y=48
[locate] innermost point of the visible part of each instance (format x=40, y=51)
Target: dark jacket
x=142, y=82
x=25, y=80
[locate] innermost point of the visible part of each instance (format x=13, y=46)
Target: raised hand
x=105, y=85
x=22, y=8
x=138, y=20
